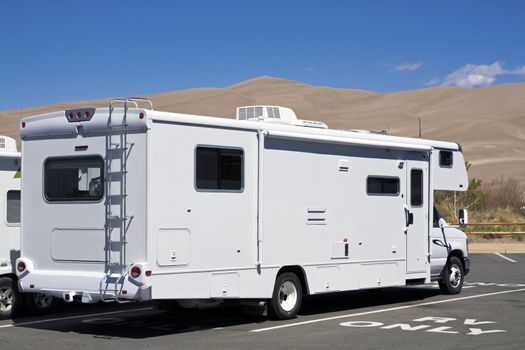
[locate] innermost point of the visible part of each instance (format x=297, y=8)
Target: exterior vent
x=275, y=114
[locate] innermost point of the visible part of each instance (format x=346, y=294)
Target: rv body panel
x=220, y=207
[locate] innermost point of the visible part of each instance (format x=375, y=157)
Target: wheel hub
x=6, y=299
x=288, y=296
x=455, y=276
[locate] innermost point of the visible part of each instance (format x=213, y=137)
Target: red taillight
x=71, y=115
x=87, y=114
x=148, y=273
x=79, y=114
x=23, y=124
x=21, y=266
x=141, y=115
x=135, y=271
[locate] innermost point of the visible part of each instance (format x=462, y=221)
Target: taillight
x=135, y=271
x=23, y=124
x=141, y=116
x=21, y=266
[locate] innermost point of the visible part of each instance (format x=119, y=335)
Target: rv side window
x=445, y=159
x=382, y=185
x=416, y=187
x=13, y=207
x=74, y=179
x=218, y=169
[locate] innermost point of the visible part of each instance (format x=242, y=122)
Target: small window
x=13, y=207
x=416, y=187
x=445, y=159
x=258, y=112
x=383, y=185
x=74, y=179
x=219, y=169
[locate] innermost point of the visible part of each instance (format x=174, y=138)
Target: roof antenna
x=419, y=118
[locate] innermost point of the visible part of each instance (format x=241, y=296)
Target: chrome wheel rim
x=288, y=296
x=6, y=299
x=455, y=276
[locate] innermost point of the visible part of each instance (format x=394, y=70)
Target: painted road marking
x=440, y=320
x=425, y=327
x=73, y=317
x=404, y=307
x=505, y=257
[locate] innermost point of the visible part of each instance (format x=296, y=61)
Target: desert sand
x=488, y=122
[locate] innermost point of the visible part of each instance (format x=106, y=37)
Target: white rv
x=130, y=203
x=10, y=298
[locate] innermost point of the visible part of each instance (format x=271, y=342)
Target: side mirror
x=463, y=217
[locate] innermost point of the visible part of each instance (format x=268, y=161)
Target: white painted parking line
x=73, y=317
x=505, y=257
x=385, y=310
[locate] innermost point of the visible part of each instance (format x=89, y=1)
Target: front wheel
x=9, y=298
x=453, y=276
x=287, y=297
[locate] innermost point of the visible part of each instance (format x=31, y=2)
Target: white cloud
x=309, y=69
x=472, y=75
x=410, y=67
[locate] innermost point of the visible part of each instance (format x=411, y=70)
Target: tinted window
x=13, y=207
x=416, y=187
x=74, y=179
x=218, y=169
x=382, y=185
x=445, y=159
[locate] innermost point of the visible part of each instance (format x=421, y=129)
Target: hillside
x=489, y=122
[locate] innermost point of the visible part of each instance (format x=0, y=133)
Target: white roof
x=56, y=124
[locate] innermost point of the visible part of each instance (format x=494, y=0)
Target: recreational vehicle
x=128, y=203
x=10, y=299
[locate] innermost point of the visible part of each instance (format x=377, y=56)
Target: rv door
x=416, y=215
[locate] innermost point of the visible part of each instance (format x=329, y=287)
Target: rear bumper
x=87, y=287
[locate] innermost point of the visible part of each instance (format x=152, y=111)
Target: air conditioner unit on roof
x=275, y=114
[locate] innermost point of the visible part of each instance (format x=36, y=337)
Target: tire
x=287, y=297
x=453, y=276
x=39, y=303
x=10, y=299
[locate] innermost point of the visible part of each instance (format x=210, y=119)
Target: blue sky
x=54, y=51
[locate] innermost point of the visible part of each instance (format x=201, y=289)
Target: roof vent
x=275, y=114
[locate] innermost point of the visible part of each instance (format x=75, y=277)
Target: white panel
x=224, y=285
x=173, y=246
x=75, y=244
x=379, y=275
x=453, y=178
x=327, y=279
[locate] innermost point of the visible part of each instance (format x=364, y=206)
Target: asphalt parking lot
x=487, y=314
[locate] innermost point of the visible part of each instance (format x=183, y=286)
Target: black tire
x=39, y=303
x=453, y=276
x=287, y=297
x=10, y=299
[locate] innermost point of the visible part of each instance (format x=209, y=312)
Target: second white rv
x=135, y=204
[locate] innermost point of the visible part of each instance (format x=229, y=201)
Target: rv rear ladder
x=117, y=220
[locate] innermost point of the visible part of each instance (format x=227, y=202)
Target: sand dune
x=489, y=122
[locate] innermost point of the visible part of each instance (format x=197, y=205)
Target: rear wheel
x=40, y=303
x=287, y=297
x=453, y=276
x=9, y=298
